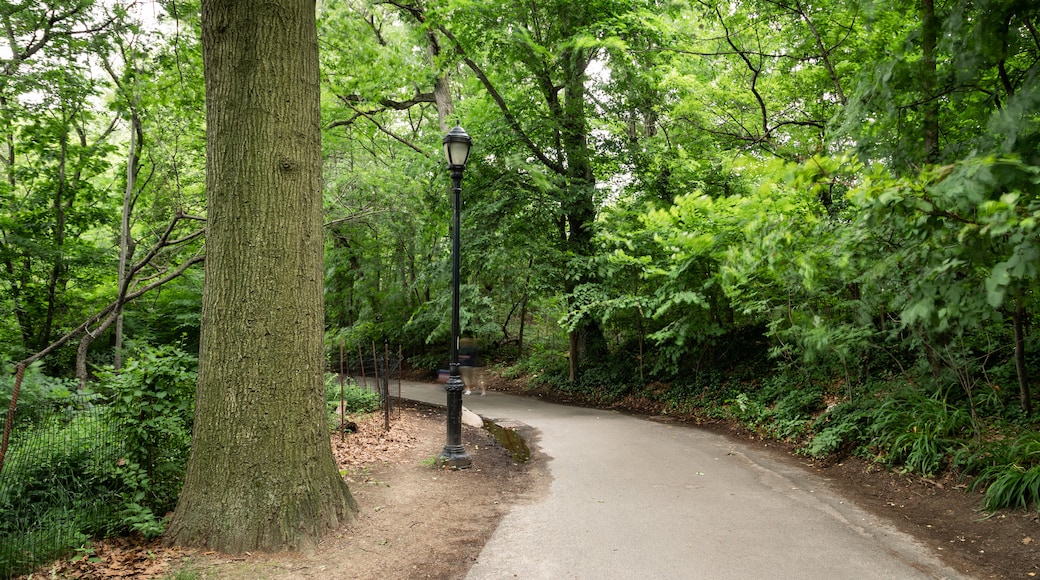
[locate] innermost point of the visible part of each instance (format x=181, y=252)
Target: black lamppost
x=456, y=148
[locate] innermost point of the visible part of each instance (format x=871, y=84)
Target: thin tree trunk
x=125, y=242
x=58, y=268
x=929, y=82
x=83, y=348
x=1024, y=396
x=572, y=355
x=520, y=333
x=124, y=230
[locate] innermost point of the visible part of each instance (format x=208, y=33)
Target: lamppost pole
x=456, y=147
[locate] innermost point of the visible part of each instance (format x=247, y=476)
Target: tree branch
x=497, y=97
x=384, y=130
x=354, y=217
x=825, y=53
x=387, y=103
x=109, y=308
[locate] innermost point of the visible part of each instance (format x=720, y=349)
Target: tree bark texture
x=929, y=80
x=261, y=474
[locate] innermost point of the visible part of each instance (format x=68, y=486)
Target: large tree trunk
x=261, y=474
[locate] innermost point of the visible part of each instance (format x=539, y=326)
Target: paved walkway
x=632, y=498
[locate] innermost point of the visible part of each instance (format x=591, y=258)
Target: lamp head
x=456, y=146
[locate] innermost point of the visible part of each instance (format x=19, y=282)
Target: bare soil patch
x=415, y=520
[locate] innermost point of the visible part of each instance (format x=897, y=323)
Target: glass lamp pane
x=458, y=151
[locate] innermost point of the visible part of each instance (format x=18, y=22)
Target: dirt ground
x=417, y=521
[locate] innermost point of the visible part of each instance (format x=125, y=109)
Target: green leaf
x=996, y=284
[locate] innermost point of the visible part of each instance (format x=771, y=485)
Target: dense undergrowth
x=109, y=461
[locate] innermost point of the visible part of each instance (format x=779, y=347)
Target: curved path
x=632, y=498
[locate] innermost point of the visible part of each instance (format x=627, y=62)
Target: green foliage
x=76, y=75
x=60, y=484
x=429, y=361
x=975, y=45
x=1008, y=468
x=171, y=316
x=948, y=250
x=795, y=410
x=843, y=428
x=1014, y=487
x=919, y=433
x=152, y=402
x=604, y=381
x=39, y=395
x=782, y=406
x=751, y=412
x=541, y=366
x=355, y=399
x=963, y=236
x=710, y=391
x=53, y=199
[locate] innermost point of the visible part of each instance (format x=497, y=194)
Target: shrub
x=793, y=412
x=152, y=405
x=98, y=464
x=604, y=382
x=428, y=362
x=780, y=406
x=356, y=399
x=1014, y=486
x=39, y=395
x=749, y=411
x=844, y=427
x=59, y=485
x=543, y=366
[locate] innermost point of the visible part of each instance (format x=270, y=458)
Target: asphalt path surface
x=634, y=498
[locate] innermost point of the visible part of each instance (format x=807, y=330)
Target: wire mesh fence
x=59, y=483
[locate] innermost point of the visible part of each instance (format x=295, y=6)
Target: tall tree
x=55, y=145
x=261, y=474
x=544, y=94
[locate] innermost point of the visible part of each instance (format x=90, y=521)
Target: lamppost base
x=454, y=457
